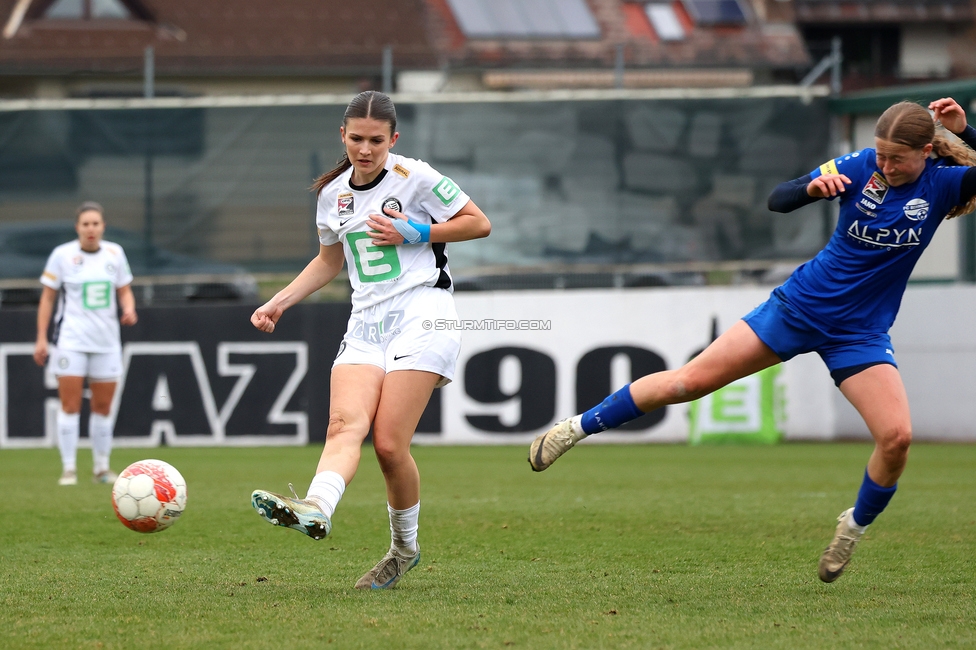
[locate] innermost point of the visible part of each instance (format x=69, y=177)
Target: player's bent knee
x=895, y=443
x=343, y=427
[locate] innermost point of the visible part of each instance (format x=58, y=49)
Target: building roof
x=755, y=43
x=250, y=37
x=882, y=11
x=302, y=37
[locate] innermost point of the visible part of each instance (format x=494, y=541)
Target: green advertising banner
x=749, y=410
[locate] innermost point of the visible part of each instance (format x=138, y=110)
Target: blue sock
x=871, y=500
x=615, y=410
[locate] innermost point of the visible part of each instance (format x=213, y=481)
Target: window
x=665, y=22
x=525, y=18
x=87, y=10
x=87, y=14
x=716, y=12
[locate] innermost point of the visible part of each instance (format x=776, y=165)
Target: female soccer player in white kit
x=85, y=276
x=388, y=218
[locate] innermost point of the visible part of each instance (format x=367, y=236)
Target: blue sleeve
x=968, y=136
x=790, y=195
x=967, y=188
x=953, y=183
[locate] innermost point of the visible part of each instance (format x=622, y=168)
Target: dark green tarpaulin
x=876, y=101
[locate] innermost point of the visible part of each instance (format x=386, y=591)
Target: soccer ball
x=149, y=496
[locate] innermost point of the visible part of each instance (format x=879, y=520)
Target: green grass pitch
x=613, y=547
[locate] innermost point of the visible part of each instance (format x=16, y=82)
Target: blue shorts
x=788, y=333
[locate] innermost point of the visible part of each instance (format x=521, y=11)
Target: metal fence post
x=388, y=69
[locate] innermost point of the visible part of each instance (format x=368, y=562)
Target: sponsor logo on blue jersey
x=917, y=209
x=876, y=188
x=885, y=237
x=865, y=210
x=867, y=207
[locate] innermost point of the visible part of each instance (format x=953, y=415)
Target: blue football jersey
x=856, y=282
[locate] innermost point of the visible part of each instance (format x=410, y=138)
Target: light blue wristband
x=413, y=232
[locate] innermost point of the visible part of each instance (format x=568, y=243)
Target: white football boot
x=552, y=444
x=835, y=558
x=387, y=573
x=298, y=514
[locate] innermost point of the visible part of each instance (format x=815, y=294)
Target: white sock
x=68, y=432
x=326, y=490
x=853, y=525
x=403, y=528
x=577, y=423
x=100, y=433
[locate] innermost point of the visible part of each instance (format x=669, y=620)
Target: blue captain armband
x=413, y=232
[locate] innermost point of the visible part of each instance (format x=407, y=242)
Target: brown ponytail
x=372, y=104
x=909, y=124
x=341, y=165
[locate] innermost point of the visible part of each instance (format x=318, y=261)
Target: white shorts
x=97, y=366
x=398, y=334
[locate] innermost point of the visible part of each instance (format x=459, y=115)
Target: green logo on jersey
x=373, y=263
x=96, y=295
x=446, y=190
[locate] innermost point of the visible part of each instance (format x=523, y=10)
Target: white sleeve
x=326, y=236
x=439, y=195
x=51, y=277
x=123, y=275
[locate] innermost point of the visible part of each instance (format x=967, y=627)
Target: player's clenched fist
x=265, y=317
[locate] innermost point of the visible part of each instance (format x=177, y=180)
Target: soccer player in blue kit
x=840, y=304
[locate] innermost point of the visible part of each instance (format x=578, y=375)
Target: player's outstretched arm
x=323, y=268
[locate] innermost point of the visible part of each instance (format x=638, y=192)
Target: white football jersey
x=86, y=318
x=377, y=273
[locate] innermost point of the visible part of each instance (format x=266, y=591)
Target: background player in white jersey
x=85, y=277
x=388, y=218
x=840, y=304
